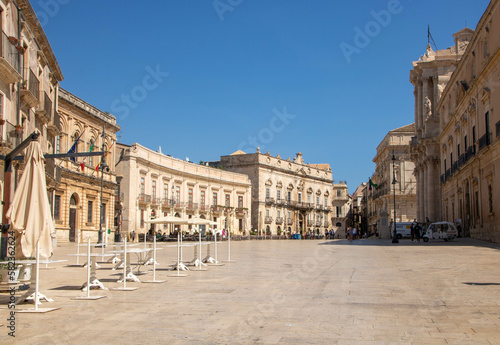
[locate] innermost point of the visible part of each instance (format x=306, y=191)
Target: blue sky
x=203, y=79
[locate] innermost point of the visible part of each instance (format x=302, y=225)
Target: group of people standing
x=352, y=233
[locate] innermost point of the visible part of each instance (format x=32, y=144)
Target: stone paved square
x=282, y=292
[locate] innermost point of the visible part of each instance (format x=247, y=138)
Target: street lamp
x=173, y=212
x=395, y=235
x=103, y=166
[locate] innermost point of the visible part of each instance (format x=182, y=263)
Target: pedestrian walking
x=412, y=230
x=354, y=233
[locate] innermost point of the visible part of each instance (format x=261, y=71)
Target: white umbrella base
x=94, y=284
x=154, y=281
x=89, y=297
x=182, y=267
x=41, y=296
x=125, y=289
x=36, y=310
x=130, y=276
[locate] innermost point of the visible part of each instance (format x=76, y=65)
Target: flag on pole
x=372, y=184
x=73, y=148
x=98, y=165
x=82, y=164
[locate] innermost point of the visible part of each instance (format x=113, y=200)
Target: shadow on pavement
x=462, y=241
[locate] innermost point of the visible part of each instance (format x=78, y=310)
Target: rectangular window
x=279, y=214
x=289, y=196
x=339, y=194
x=89, y=211
x=490, y=198
x=465, y=143
x=317, y=200
x=58, y=144
x=268, y=193
x=202, y=198
x=289, y=214
x=214, y=199
x=487, y=126
x=309, y=198
x=143, y=186
x=240, y=201
x=278, y=195
x=153, y=189
x=177, y=194
x=228, y=200
x=326, y=201
x=477, y=204
x=190, y=196
x=57, y=207
x=165, y=191
x=267, y=213
x=300, y=197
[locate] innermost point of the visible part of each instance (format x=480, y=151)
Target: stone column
x=419, y=101
x=431, y=191
x=424, y=93
x=423, y=184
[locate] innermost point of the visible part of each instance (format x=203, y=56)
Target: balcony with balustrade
x=279, y=220
x=289, y=221
x=10, y=71
x=30, y=90
x=44, y=110
x=144, y=198
x=268, y=220
x=191, y=206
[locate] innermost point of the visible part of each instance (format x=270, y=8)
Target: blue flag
x=73, y=148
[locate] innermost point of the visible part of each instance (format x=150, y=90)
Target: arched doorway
x=73, y=202
x=301, y=225
x=268, y=230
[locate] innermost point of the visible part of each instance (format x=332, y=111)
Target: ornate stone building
x=341, y=205
x=287, y=196
x=29, y=81
x=381, y=197
x=469, y=141
x=77, y=200
x=429, y=77
x=156, y=185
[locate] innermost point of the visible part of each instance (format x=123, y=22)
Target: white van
x=403, y=229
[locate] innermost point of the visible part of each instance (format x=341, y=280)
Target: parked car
x=440, y=230
x=403, y=229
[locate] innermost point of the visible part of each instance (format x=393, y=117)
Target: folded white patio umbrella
x=29, y=211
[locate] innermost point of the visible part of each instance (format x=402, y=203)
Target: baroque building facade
x=77, y=200
x=156, y=185
x=287, y=196
x=469, y=141
x=429, y=76
x=396, y=144
x=341, y=206
x=29, y=82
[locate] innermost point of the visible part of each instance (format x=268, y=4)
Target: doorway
x=72, y=218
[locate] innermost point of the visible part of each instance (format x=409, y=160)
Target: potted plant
x=25, y=271
x=9, y=272
x=2, y=122
x=13, y=40
x=20, y=49
x=19, y=129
